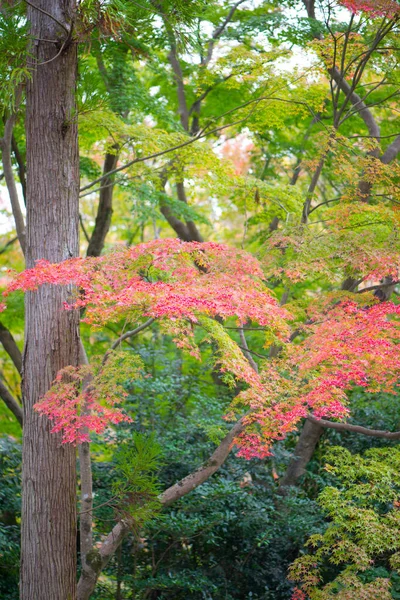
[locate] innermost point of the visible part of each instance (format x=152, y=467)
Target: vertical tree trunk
x=48, y=565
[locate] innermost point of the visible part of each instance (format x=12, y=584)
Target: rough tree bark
x=48, y=565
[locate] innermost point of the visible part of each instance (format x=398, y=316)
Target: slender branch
x=192, y=481
x=378, y=287
x=9, y=243
x=67, y=31
x=218, y=32
x=106, y=185
x=104, y=209
x=5, y=145
x=389, y=435
x=11, y=402
x=322, y=204
x=21, y=165
x=125, y=336
x=85, y=233
x=10, y=346
x=86, y=480
x=246, y=351
x=202, y=134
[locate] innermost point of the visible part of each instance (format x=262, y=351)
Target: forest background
x=255, y=360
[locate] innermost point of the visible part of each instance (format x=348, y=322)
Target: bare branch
x=9, y=243
x=104, y=209
x=127, y=335
x=11, y=402
x=86, y=480
x=107, y=549
x=192, y=481
x=246, y=351
x=82, y=224
x=5, y=145
x=67, y=31
x=363, y=110
x=218, y=32
x=10, y=346
x=391, y=151
x=389, y=435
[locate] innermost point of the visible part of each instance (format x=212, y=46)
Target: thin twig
x=49, y=15
x=126, y=335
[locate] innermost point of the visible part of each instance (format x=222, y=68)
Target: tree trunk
x=308, y=440
x=48, y=564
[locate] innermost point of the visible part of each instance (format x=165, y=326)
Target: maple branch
x=6, y=145
x=82, y=224
x=218, y=32
x=193, y=233
x=389, y=435
x=391, y=151
x=21, y=165
x=246, y=351
x=201, y=134
x=104, y=209
x=10, y=346
x=86, y=479
x=11, y=402
x=379, y=286
x=127, y=335
x=193, y=480
x=100, y=557
x=350, y=95
x=9, y=243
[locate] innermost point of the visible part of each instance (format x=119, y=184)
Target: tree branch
x=39, y=9
x=202, y=134
x=107, y=549
x=389, y=435
x=193, y=233
x=11, y=402
x=21, y=165
x=216, y=460
x=104, y=209
x=8, y=244
x=10, y=346
x=127, y=335
x=86, y=480
x=5, y=145
x=246, y=351
x=391, y=151
x=219, y=31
